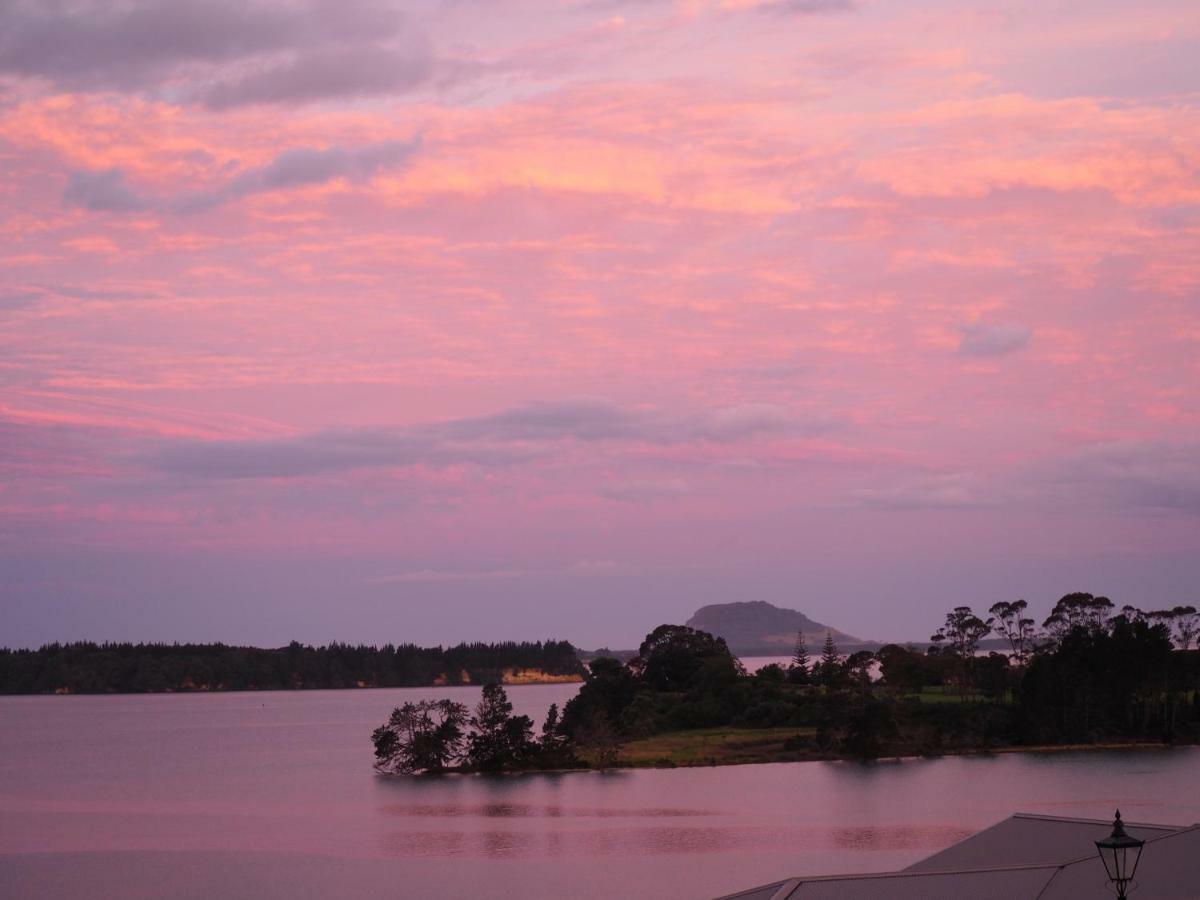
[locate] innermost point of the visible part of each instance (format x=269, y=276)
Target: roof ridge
x=905, y=873
x=1153, y=840
x=1082, y=820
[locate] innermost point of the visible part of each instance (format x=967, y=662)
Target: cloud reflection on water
x=604, y=842
x=531, y=811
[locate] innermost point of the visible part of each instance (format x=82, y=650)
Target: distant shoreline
x=86, y=668
x=547, y=680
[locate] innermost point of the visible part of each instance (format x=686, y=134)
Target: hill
x=758, y=628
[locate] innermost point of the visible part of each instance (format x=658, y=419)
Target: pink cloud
x=831, y=274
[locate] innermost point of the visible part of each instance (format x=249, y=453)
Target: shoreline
x=1033, y=749
x=525, y=682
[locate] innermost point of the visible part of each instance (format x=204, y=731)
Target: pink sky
x=445, y=320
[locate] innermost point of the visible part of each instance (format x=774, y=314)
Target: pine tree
x=501, y=740
x=799, y=672
x=831, y=664
x=551, y=739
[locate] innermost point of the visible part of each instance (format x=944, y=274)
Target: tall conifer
x=800, y=671
x=831, y=664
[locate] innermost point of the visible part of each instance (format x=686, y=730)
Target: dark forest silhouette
x=88, y=668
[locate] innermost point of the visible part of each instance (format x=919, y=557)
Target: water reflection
x=896, y=838
x=664, y=840
x=527, y=811
x=290, y=774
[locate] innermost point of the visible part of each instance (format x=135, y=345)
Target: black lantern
x=1119, y=852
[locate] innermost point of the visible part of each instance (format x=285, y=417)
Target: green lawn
x=942, y=695
x=716, y=746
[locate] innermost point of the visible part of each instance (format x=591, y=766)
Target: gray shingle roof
x=1028, y=840
x=1025, y=856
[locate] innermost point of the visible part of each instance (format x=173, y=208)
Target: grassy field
x=718, y=746
x=941, y=695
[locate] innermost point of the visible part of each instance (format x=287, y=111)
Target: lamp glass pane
x=1107, y=856
x=1137, y=854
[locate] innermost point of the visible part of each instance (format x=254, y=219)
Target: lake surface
x=272, y=795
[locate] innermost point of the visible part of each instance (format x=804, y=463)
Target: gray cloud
x=87, y=292
x=512, y=436
x=102, y=191
x=18, y=299
x=646, y=490
x=785, y=7
x=993, y=340
x=952, y=490
x=1138, y=474
x=806, y=7
x=221, y=52
x=584, y=419
x=323, y=453
x=305, y=165
x=107, y=191
x=1116, y=475
x=598, y=420
x=439, y=576
x=323, y=75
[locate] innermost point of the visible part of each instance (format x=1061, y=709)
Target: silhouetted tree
x=869, y=728
x=598, y=737
x=1008, y=621
x=420, y=737
x=1077, y=610
x=607, y=689
x=499, y=740
x=1100, y=680
x=771, y=673
x=679, y=658
x=1181, y=621
x=799, y=672
x=550, y=734
x=858, y=668
x=904, y=669
x=959, y=637
x=830, y=670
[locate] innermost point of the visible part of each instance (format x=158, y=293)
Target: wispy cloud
x=219, y=52
x=108, y=191
x=802, y=7
x=435, y=576
x=993, y=340
x=515, y=435
x=103, y=191
x=17, y=298
x=953, y=490
x=1130, y=474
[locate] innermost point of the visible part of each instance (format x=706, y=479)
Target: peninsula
x=1087, y=678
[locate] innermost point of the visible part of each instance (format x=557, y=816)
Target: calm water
x=272, y=794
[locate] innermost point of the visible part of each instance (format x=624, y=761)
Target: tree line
x=1089, y=674
x=97, y=668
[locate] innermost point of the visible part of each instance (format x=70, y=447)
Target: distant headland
x=758, y=628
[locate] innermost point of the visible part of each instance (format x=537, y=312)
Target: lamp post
x=1120, y=853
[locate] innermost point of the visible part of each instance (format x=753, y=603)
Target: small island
x=1090, y=677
